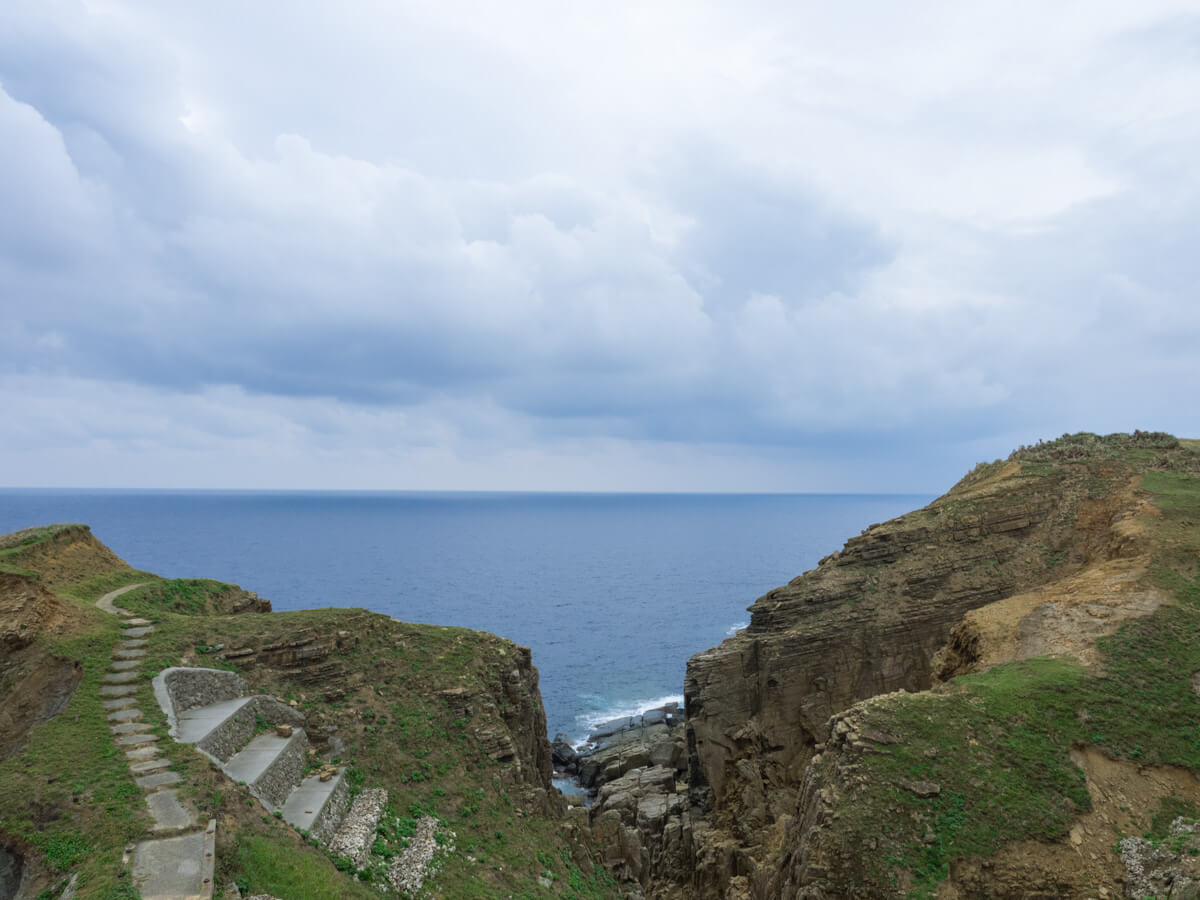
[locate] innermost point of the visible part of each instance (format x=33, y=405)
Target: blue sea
x=613, y=592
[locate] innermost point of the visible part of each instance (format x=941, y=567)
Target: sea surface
x=613, y=592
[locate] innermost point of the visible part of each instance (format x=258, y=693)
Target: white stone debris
x=409, y=870
x=356, y=835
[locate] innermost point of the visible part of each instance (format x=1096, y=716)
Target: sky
x=665, y=246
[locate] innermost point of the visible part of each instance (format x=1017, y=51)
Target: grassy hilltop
x=449, y=721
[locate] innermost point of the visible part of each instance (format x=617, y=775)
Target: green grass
x=265, y=867
x=186, y=596
x=68, y=791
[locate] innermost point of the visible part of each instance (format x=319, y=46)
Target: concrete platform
x=305, y=802
x=175, y=867
x=252, y=760
x=194, y=724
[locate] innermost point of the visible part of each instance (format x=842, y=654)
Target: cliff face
x=955, y=587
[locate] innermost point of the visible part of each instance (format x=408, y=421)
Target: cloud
x=508, y=236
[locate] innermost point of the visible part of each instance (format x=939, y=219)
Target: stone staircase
x=257, y=741
x=176, y=862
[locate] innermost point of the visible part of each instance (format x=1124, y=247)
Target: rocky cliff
x=1043, y=554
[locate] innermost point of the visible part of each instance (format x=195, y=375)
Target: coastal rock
x=653, y=738
x=637, y=821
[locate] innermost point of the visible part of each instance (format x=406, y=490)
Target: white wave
x=587, y=722
x=734, y=629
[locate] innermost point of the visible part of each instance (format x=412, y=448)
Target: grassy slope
x=997, y=743
x=70, y=795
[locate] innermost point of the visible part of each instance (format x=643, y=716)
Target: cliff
x=436, y=725
x=1052, y=574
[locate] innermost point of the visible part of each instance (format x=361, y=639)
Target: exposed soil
x=1124, y=798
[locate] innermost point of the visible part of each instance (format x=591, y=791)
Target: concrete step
x=314, y=801
x=125, y=665
x=131, y=740
x=129, y=654
x=139, y=632
x=195, y=725
x=131, y=727
x=145, y=767
x=271, y=765
x=133, y=645
x=176, y=867
x=153, y=782
x=131, y=622
x=168, y=813
x=119, y=677
x=128, y=714
x=117, y=690
x=120, y=703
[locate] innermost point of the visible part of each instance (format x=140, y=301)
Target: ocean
x=613, y=592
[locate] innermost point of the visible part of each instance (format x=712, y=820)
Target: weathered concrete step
x=129, y=740
x=133, y=645
x=168, y=813
x=125, y=665
x=306, y=804
x=128, y=714
x=130, y=727
x=176, y=867
x=140, y=753
x=134, y=622
x=119, y=677
x=120, y=702
x=196, y=724
x=139, y=632
x=149, y=765
x=151, y=782
x=117, y=690
x=252, y=761
x=130, y=654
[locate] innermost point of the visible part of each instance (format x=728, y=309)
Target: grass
x=69, y=791
x=186, y=596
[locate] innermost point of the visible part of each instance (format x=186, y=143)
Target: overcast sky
x=795, y=246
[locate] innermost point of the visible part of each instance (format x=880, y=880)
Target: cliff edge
x=971, y=700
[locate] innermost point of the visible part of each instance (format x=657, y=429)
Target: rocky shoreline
x=618, y=746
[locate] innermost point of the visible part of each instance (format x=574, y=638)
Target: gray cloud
x=446, y=236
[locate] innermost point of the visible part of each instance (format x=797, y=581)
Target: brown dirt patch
x=1125, y=797
x=67, y=556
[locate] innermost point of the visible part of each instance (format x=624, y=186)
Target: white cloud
x=451, y=225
